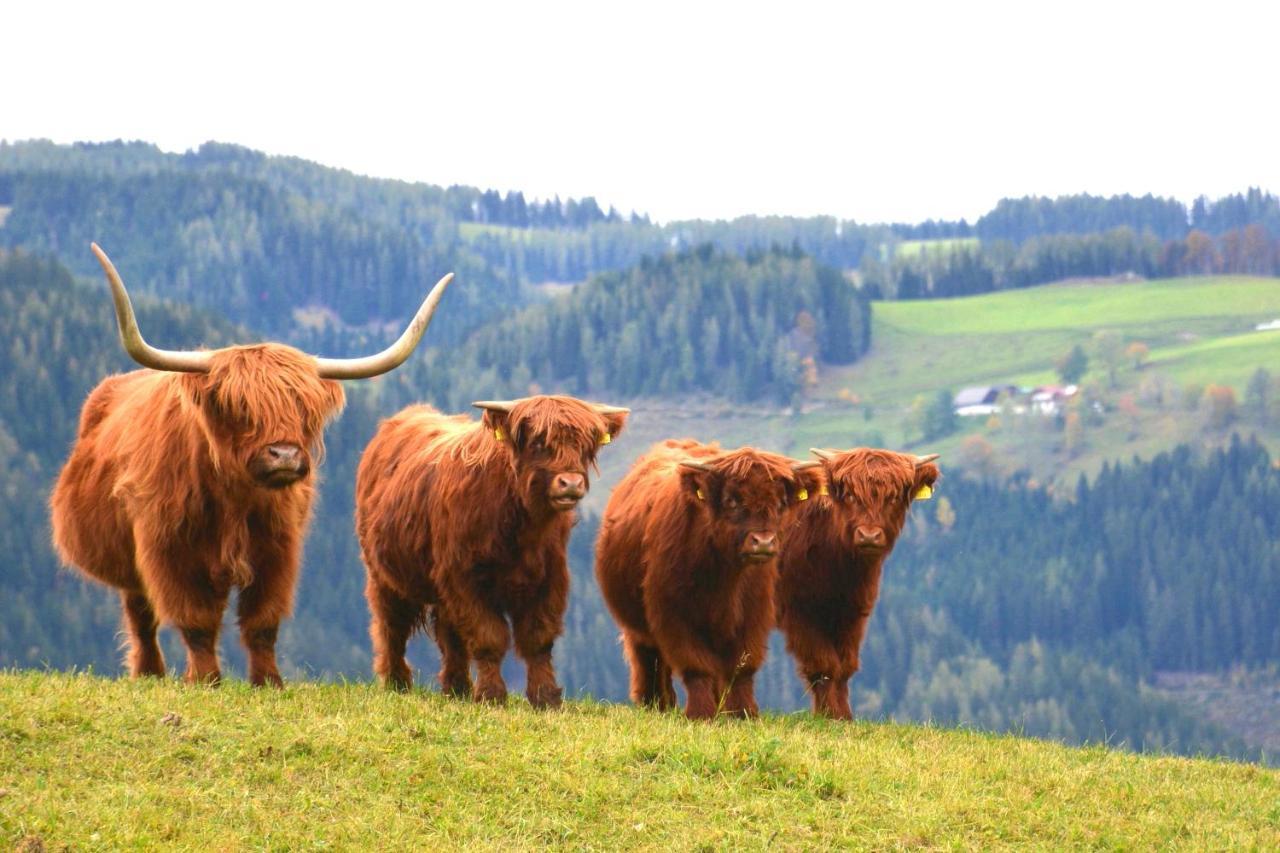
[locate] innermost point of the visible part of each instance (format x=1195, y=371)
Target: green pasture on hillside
x=936, y=248
x=100, y=764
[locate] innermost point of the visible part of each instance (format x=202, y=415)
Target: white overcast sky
x=890, y=111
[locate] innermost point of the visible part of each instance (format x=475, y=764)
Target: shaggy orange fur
x=831, y=565
x=680, y=564
x=456, y=522
x=158, y=499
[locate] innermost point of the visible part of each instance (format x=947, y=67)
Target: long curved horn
x=182, y=361
x=824, y=455
x=602, y=409
x=805, y=466
x=697, y=466
x=925, y=460
x=503, y=406
x=394, y=355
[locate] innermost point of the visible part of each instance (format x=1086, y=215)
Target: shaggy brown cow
x=195, y=477
x=469, y=520
x=686, y=562
x=831, y=563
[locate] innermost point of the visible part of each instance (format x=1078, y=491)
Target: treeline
x=1021, y=219
x=330, y=236
x=1000, y=265
x=457, y=202
x=746, y=327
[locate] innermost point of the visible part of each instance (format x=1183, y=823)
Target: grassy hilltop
x=100, y=764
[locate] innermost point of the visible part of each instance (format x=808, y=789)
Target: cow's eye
x=731, y=503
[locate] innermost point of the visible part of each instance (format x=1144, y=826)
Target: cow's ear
x=498, y=424
x=614, y=421
x=810, y=478
x=699, y=483
x=926, y=475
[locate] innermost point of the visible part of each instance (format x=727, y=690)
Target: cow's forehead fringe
x=271, y=386
x=747, y=464
x=553, y=417
x=883, y=468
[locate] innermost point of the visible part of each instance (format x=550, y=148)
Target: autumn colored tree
x=1220, y=405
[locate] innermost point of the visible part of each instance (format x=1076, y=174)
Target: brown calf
x=831, y=563
x=469, y=520
x=686, y=562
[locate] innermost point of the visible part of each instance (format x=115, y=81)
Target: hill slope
x=93, y=763
x=1198, y=330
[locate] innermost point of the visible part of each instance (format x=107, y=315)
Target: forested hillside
x=702, y=320
x=1002, y=608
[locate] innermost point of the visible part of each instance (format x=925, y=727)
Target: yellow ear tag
x=701, y=497
x=802, y=495
x=497, y=433
x=925, y=493
x=606, y=438
x=822, y=490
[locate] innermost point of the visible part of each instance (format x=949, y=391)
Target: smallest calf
x=831, y=562
x=686, y=561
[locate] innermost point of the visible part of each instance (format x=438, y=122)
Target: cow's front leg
x=193, y=606
x=482, y=628
x=537, y=624
x=268, y=600
x=741, y=699
x=682, y=647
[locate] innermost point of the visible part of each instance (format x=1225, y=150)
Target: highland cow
x=466, y=524
x=831, y=563
x=195, y=476
x=686, y=562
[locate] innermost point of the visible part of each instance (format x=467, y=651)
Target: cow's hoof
x=491, y=694
x=458, y=688
x=547, y=696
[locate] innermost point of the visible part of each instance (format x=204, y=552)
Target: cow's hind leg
x=141, y=625
x=393, y=621
x=650, y=675
x=455, y=665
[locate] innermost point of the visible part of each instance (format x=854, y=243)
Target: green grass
x=100, y=764
x=1133, y=305
x=472, y=230
x=946, y=245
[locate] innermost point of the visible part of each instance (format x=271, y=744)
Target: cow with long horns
x=194, y=476
x=686, y=560
x=831, y=563
x=465, y=524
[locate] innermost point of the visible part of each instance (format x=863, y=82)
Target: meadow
x=102, y=764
